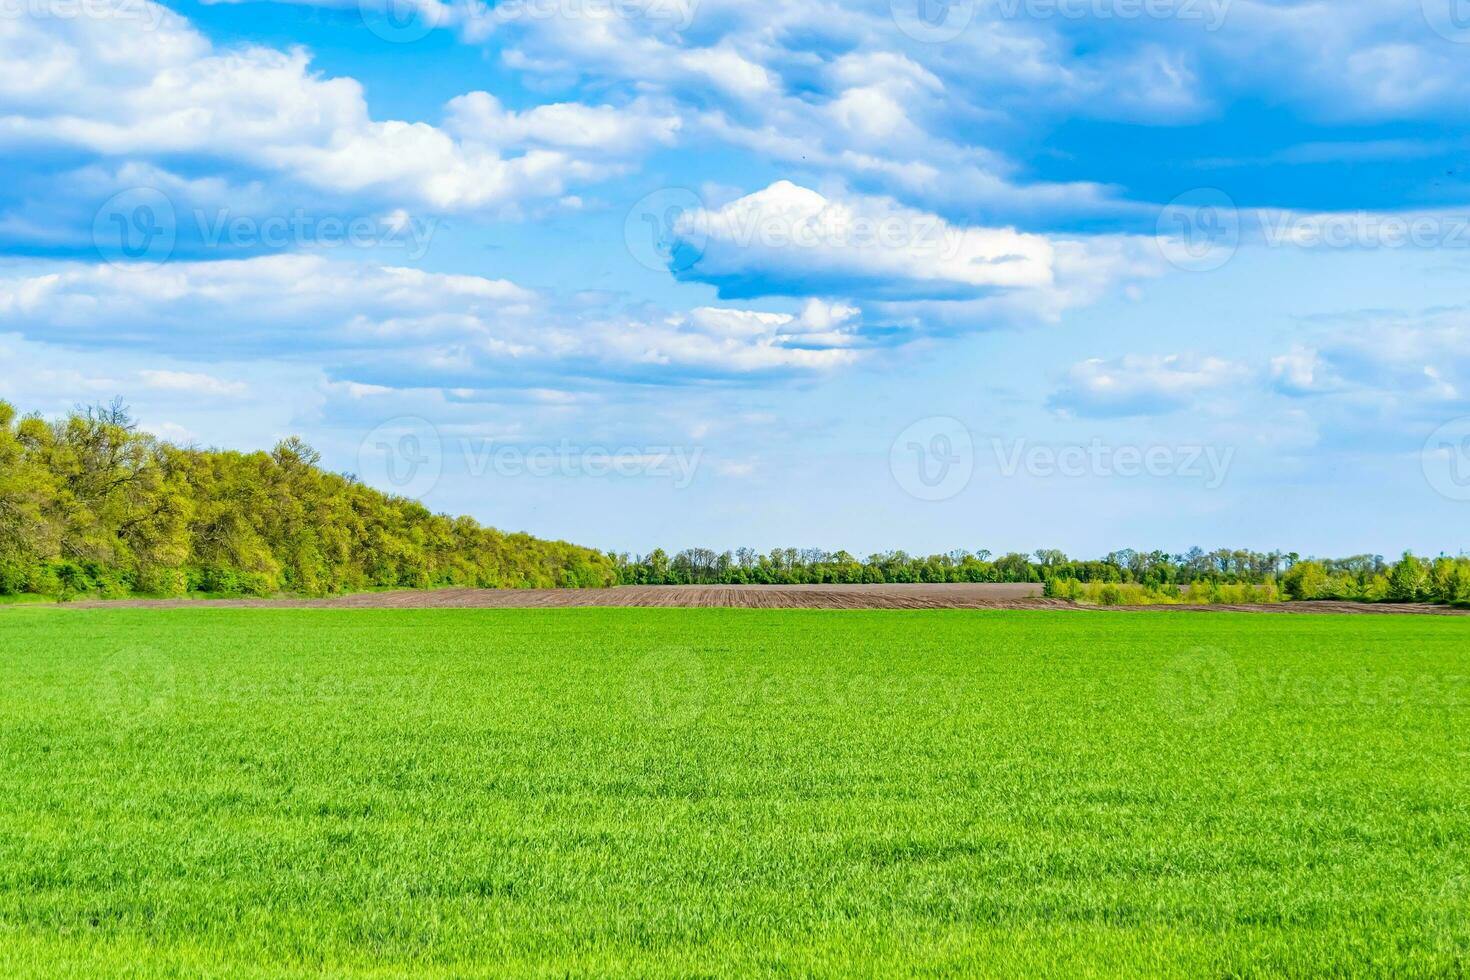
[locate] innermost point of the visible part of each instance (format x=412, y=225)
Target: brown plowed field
x=954, y=596
x=958, y=596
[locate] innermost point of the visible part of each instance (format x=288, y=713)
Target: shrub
x=1305, y=580
x=13, y=576
x=163, y=581
x=111, y=585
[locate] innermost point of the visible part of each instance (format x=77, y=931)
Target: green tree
x=1407, y=579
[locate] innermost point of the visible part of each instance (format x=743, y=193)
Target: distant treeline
x=1223, y=574
x=90, y=505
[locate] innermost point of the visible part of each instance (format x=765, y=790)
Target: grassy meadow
x=657, y=792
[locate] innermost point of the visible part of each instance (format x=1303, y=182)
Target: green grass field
x=727, y=792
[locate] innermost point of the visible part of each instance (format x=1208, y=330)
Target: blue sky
x=927, y=274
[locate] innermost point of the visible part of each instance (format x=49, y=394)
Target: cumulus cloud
x=480, y=118
x=848, y=97
x=1360, y=385
x=386, y=325
x=191, y=382
x=1301, y=371
x=835, y=86
x=113, y=87
x=1376, y=381
x=1413, y=359
x=916, y=269
x=788, y=239
x=237, y=403
x=1369, y=60
x=1138, y=384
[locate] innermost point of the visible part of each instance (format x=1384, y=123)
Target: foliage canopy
x=90, y=504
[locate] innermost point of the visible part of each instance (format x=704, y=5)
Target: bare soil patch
x=949, y=596
x=917, y=596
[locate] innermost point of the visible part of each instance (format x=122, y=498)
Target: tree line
x=91, y=505
x=792, y=566
x=1225, y=574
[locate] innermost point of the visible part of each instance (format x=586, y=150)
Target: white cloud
x=173, y=432
x=383, y=325
x=878, y=111
x=263, y=395
x=117, y=89
x=1418, y=359
x=479, y=118
x=1084, y=271
x=1353, y=60
x=833, y=85
x=192, y=383
x=911, y=268
x=737, y=469
x=790, y=239
x=730, y=72
x=1301, y=371
x=1138, y=384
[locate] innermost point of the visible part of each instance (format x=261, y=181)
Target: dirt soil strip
x=952, y=596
